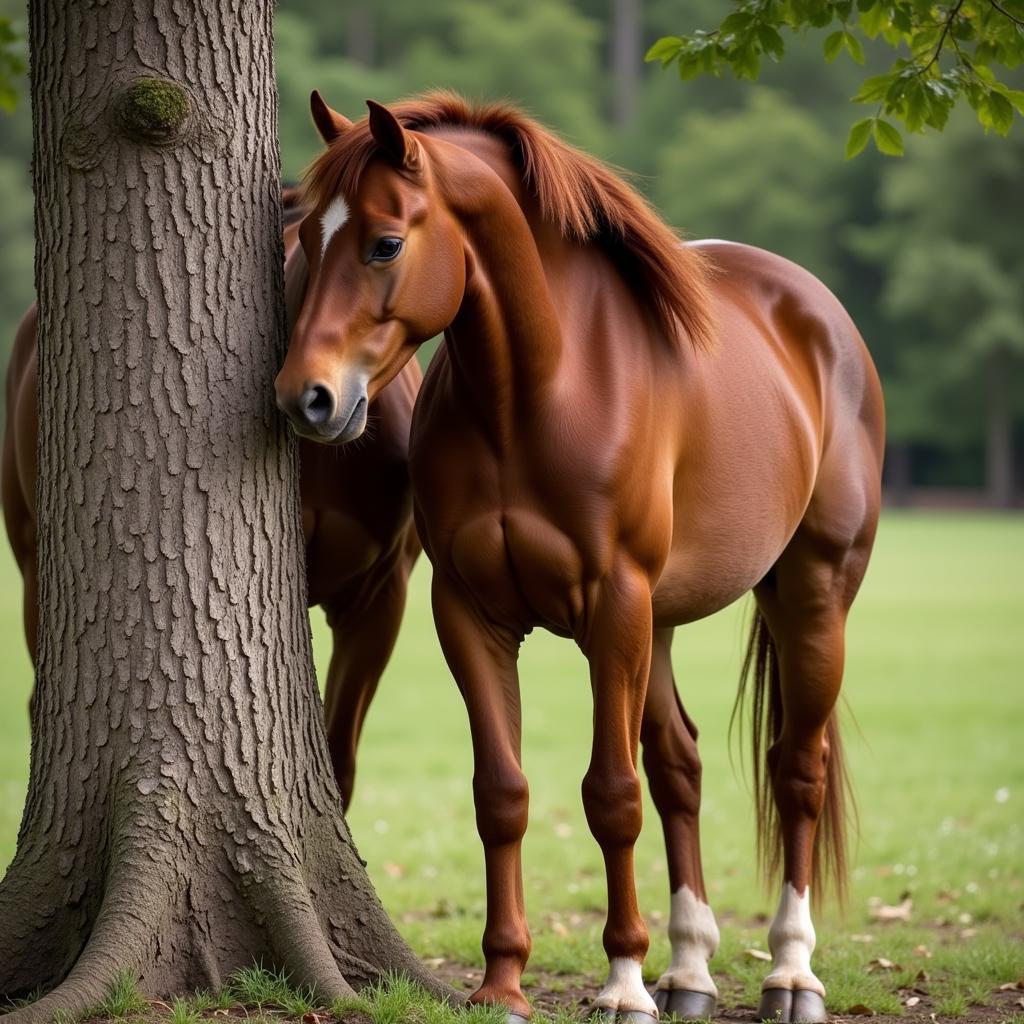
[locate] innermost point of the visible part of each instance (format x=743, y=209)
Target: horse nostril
x=317, y=404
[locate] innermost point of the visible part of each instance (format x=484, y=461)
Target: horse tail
x=761, y=685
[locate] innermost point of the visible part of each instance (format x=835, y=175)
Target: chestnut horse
x=620, y=435
x=356, y=516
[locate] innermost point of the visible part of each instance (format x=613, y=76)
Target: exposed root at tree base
x=145, y=928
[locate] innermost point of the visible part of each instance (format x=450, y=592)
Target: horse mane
x=583, y=197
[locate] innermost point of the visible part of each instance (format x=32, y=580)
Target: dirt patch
x=554, y=992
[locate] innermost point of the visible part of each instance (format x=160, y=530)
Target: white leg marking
x=694, y=937
x=332, y=220
x=791, y=940
x=625, y=988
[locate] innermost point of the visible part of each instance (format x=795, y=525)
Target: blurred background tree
x=924, y=251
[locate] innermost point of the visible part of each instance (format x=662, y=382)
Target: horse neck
x=506, y=342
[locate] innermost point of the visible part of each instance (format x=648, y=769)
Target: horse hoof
x=516, y=1018
x=684, y=1003
x=800, y=1007
x=603, y=1016
x=808, y=1008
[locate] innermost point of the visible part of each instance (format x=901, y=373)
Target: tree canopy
x=948, y=53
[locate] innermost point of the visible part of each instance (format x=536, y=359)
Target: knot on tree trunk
x=156, y=111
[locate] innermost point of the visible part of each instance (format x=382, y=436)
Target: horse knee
x=613, y=805
x=502, y=806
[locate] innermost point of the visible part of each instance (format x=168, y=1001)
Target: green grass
x=935, y=678
x=259, y=987
x=123, y=1000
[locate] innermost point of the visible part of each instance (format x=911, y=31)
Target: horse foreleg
x=363, y=639
x=673, y=767
x=617, y=644
x=482, y=658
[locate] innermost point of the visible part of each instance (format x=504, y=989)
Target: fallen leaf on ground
x=860, y=1010
x=923, y=951
x=968, y=933
x=888, y=912
x=758, y=954
x=881, y=964
x=862, y=938
x=1010, y=986
x=310, y=1018
x=922, y=976
x=912, y=1001
x=559, y=929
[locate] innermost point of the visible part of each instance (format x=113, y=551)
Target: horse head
x=386, y=271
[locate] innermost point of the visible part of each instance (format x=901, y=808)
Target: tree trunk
x=899, y=475
x=182, y=817
x=362, y=38
x=999, y=450
x=626, y=59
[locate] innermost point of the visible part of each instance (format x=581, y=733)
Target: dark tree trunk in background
x=362, y=39
x=999, y=450
x=627, y=57
x=182, y=818
x=899, y=478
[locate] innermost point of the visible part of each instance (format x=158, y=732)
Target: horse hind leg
x=803, y=606
x=363, y=635
x=686, y=989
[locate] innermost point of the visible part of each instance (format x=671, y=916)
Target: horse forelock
x=586, y=199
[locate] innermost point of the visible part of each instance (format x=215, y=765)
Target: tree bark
x=999, y=450
x=182, y=818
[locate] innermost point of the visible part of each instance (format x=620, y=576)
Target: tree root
x=120, y=939
x=298, y=939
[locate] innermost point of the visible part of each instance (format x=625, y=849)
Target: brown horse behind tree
x=356, y=516
x=621, y=434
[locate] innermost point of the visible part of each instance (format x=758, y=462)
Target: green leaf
x=887, y=139
x=771, y=42
x=665, y=49
x=745, y=62
x=1000, y=112
x=874, y=88
x=858, y=138
x=873, y=20
x=1016, y=98
x=736, y=24
x=916, y=109
x=833, y=44
x=854, y=47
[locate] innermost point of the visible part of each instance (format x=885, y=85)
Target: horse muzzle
x=321, y=414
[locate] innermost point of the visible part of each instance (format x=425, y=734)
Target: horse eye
x=386, y=249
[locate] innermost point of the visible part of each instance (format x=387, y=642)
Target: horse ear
x=329, y=123
x=396, y=142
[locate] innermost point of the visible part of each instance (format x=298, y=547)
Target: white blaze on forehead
x=694, y=937
x=332, y=220
x=791, y=940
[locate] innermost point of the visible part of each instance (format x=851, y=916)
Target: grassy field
x=935, y=729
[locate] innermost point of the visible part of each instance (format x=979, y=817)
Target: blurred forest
x=925, y=251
